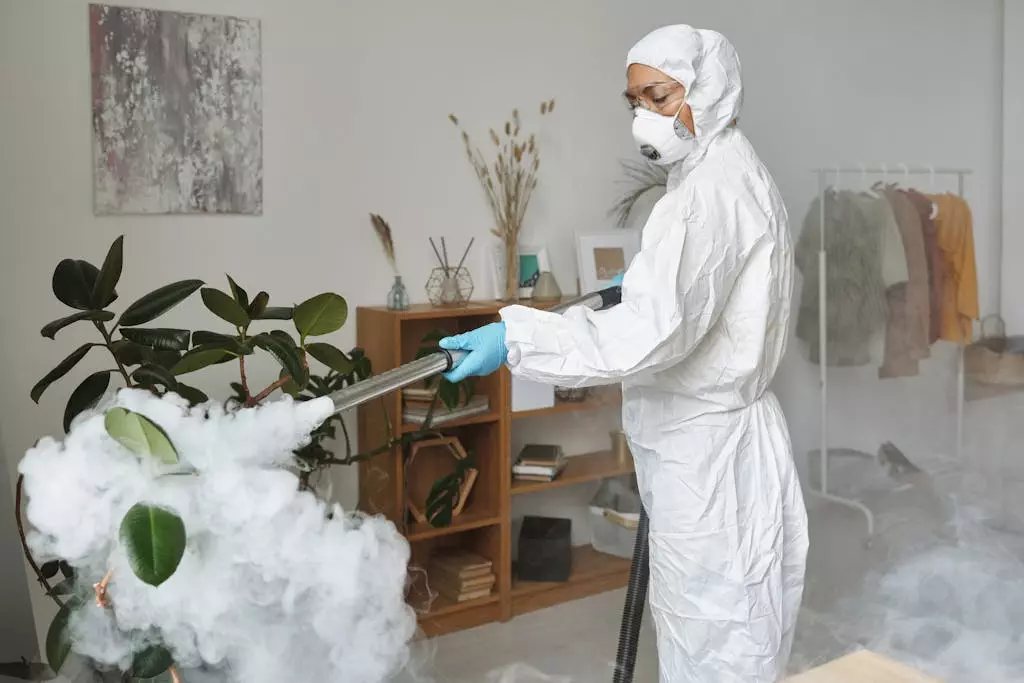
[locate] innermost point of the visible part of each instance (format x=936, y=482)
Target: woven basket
x=995, y=359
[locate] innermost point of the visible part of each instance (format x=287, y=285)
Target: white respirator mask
x=662, y=139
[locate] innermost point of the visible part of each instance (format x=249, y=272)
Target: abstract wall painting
x=177, y=112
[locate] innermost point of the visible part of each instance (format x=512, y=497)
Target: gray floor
x=938, y=588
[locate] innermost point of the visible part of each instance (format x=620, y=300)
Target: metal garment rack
x=887, y=172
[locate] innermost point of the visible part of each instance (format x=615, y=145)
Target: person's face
x=652, y=89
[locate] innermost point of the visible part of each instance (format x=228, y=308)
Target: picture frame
x=602, y=256
x=533, y=260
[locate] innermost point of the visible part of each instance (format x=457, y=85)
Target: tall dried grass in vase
x=508, y=182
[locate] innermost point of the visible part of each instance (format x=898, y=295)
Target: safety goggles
x=654, y=96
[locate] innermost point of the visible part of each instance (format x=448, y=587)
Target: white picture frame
x=533, y=260
x=602, y=256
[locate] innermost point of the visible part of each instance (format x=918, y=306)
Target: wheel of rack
x=391, y=338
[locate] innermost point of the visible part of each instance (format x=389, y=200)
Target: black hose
x=633, y=610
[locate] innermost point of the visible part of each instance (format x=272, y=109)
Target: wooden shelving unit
x=392, y=338
x=599, y=399
x=579, y=469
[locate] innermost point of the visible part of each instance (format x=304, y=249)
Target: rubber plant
x=158, y=359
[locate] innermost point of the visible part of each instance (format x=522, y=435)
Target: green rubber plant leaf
x=441, y=500
x=139, y=434
x=190, y=393
x=65, y=587
x=237, y=293
x=158, y=302
x=275, y=313
x=126, y=352
x=103, y=292
x=289, y=387
x=58, y=637
x=50, y=569
x=158, y=337
x=201, y=357
x=154, y=540
x=283, y=336
x=50, y=330
x=86, y=395
x=204, y=337
x=151, y=374
x=63, y=368
x=73, y=283
x=151, y=662
x=258, y=305
x=285, y=354
x=331, y=356
x=323, y=314
x=449, y=394
x=224, y=307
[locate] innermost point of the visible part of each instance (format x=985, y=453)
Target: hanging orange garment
x=955, y=230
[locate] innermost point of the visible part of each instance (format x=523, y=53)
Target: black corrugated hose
x=633, y=610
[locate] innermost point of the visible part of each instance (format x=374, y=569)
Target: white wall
x=1013, y=167
x=356, y=98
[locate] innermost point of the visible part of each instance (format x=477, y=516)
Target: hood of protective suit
x=707, y=65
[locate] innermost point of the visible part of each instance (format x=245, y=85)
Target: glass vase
x=511, y=293
x=398, y=297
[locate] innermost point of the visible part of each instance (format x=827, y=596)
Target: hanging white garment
x=695, y=344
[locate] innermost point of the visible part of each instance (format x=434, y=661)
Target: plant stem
x=245, y=380
x=269, y=390
x=108, y=342
x=24, y=542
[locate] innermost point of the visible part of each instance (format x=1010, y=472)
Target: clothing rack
x=886, y=171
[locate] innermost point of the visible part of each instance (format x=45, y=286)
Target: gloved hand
x=487, y=351
x=617, y=280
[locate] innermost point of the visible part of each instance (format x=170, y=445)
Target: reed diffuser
x=398, y=296
x=508, y=183
x=448, y=286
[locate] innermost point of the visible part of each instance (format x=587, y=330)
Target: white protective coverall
x=695, y=343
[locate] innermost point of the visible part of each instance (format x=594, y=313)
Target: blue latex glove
x=487, y=351
x=617, y=280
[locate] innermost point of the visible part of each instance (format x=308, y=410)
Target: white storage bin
x=614, y=517
x=527, y=395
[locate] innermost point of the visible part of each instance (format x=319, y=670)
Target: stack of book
x=538, y=462
x=418, y=403
x=461, y=576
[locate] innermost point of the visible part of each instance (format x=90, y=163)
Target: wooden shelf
x=592, y=572
x=482, y=418
x=578, y=470
x=443, y=606
x=464, y=522
x=596, y=401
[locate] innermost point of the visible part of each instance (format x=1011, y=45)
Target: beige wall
x=356, y=97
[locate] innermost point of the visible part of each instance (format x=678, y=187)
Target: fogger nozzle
x=442, y=360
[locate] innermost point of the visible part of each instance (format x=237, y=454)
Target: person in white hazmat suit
x=695, y=343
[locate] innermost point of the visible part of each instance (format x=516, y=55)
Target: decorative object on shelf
x=620, y=446
x=429, y=460
x=602, y=256
x=572, y=394
x=540, y=463
x=177, y=112
x=462, y=576
x=508, y=183
x=449, y=286
x=648, y=181
x=545, y=549
x=532, y=262
x=398, y=297
x=547, y=288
